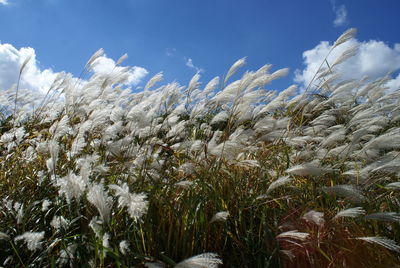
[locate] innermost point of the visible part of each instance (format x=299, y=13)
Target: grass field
x=227, y=174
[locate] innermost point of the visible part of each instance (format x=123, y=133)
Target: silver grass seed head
x=24, y=64
x=350, y=212
x=279, y=182
x=382, y=241
x=205, y=260
x=347, y=35
x=239, y=63
x=121, y=59
x=94, y=57
x=98, y=197
x=384, y=216
x=314, y=217
x=293, y=234
x=33, y=240
x=220, y=216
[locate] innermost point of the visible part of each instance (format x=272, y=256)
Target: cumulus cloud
x=189, y=63
x=39, y=80
x=105, y=65
x=33, y=78
x=373, y=59
x=4, y=2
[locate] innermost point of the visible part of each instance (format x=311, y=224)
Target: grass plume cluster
x=230, y=173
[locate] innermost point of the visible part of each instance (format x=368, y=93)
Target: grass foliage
x=97, y=176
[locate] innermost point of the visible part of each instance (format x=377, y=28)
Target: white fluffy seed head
x=33, y=240
x=350, y=212
x=220, y=216
x=205, y=260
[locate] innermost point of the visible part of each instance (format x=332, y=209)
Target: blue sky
x=182, y=37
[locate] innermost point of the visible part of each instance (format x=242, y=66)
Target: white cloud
x=394, y=83
x=189, y=63
x=4, y=2
x=104, y=65
x=170, y=52
x=341, y=16
x=33, y=78
x=38, y=80
x=373, y=59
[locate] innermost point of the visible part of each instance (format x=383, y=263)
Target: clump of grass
x=234, y=173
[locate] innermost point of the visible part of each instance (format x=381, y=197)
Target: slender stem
x=16, y=252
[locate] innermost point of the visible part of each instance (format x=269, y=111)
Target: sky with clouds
x=181, y=38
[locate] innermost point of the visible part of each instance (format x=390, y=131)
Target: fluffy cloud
x=3, y=2
x=33, y=78
x=373, y=59
x=39, y=80
x=189, y=63
x=106, y=65
x=341, y=16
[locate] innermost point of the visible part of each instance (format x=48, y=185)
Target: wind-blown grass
x=234, y=173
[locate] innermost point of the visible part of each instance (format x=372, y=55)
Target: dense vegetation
x=231, y=173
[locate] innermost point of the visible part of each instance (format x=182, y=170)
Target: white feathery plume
x=348, y=191
x=135, y=203
x=95, y=225
x=4, y=236
x=72, y=186
x=19, y=208
x=59, y=128
x=334, y=138
x=382, y=241
x=205, y=260
x=348, y=53
x=211, y=85
x=279, y=182
x=54, y=149
x=24, y=63
x=384, y=216
x=393, y=185
x=239, y=63
x=117, y=114
x=357, y=135
x=278, y=74
x=344, y=88
x=121, y=59
x=228, y=94
x=312, y=168
x=59, y=222
x=249, y=163
x=77, y=145
x=67, y=254
x=314, y=217
x=350, y=212
x=33, y=240
x=293, y=234
x=94, y=57
x=124, y=247
x=155, y=79
x=220, y=117
x=324, y=120
x=220, y=216
x=105, y=242
x=386, y=141
x=194, y=83
x=184, y=184
x=347, y=35
x=99, y=198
